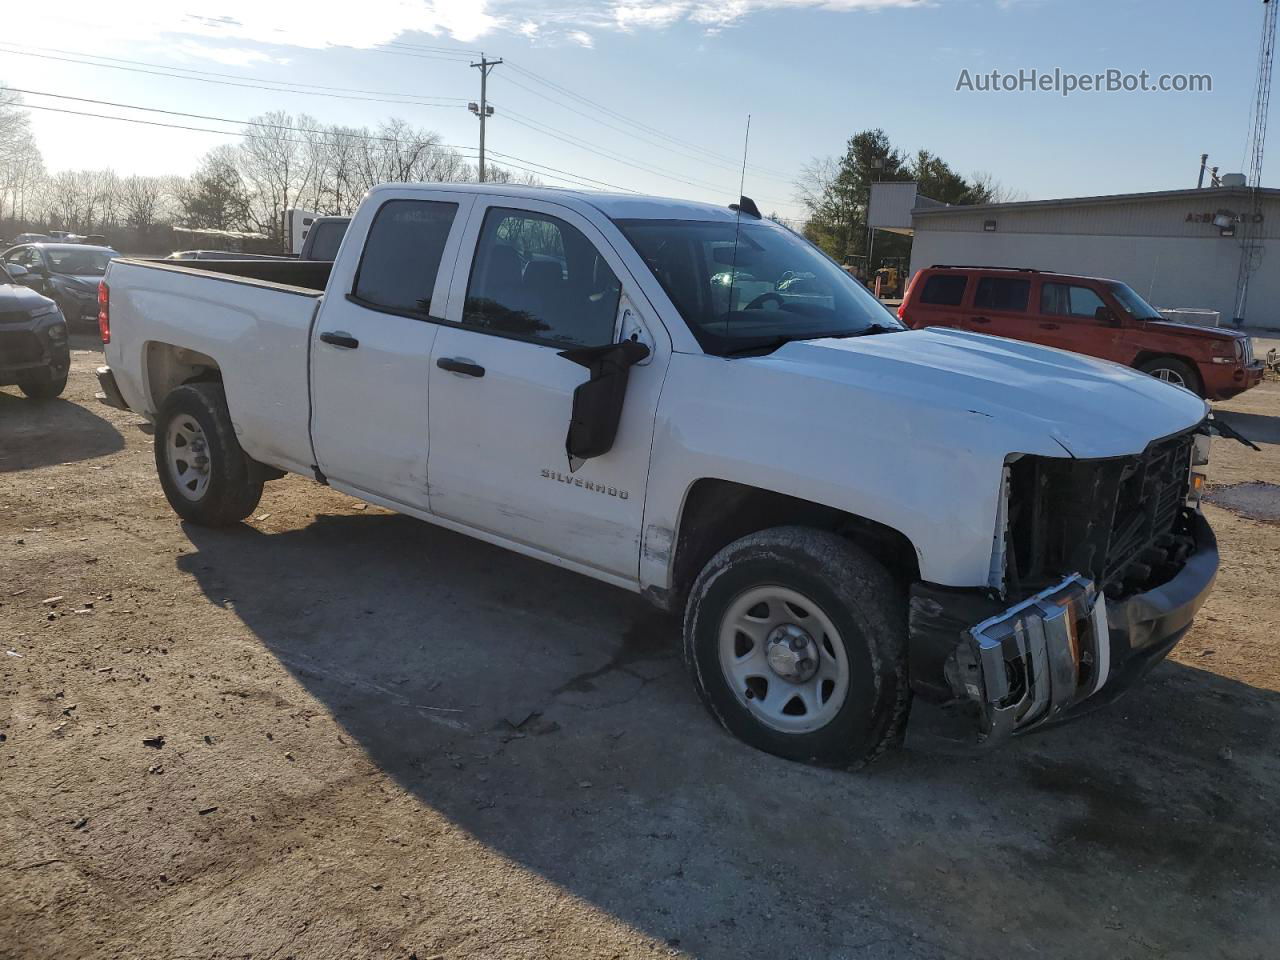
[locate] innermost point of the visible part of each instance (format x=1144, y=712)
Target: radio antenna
x=737, y=226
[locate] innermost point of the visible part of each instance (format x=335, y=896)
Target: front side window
x=537, y=277
x=402, y=254
x=1067, y=300
x=753, y=286
x=1002, y=293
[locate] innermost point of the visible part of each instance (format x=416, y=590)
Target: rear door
x=372, y=344
x=1068, y=319
x=535, y=279
x=940, y=302
x=999, y=306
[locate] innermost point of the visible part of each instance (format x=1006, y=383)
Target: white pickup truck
x=696, y=404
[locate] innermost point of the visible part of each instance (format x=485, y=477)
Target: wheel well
x=718, y=512
x=169, y=366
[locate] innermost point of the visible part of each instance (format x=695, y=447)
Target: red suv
x=1101, y=318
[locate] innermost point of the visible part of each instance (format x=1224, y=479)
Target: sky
x=655, y=96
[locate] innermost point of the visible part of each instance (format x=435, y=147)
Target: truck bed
x=250, y=319
x=304, y=274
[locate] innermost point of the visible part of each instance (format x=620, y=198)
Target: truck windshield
x=1138, y=308
x=776, y=287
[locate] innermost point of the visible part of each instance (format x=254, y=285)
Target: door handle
x=1050, y=326
x=981, y=319
x=340, y=338
x=460, y=365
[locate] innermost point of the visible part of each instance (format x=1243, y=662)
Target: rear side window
x=402, y=255
x=1002, y=293
x=1067, y=300
x=944, y=289
x=536, y=277
x=326, y=238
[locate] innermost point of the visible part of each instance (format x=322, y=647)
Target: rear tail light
x=104, y=311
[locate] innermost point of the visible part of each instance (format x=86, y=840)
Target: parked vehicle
x=1099, y=318
x=33, y=339
x=845, y=512
x=67, y=272
x=324, y=237
x=31, y=238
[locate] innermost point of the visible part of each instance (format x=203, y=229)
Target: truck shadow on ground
x=39, y=433
x=1258, y=427
x=550, y=717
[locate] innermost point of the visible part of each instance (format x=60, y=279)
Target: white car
x=845, y=512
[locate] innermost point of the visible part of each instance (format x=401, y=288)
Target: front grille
x=1117, y=521
x=1248, y=350
x=20, y=347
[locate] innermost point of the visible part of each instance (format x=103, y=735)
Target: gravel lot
x=336, y=732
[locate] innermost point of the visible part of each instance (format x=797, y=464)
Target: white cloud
x=231, y=56
x=244, y=27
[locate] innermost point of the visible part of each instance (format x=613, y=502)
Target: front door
x=542, y=280
x=1069, y=320
x=372, y=343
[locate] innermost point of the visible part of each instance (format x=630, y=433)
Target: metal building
x=1178, y=248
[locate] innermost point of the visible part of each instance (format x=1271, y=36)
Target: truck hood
x=1192, y=332
x=1092, y=408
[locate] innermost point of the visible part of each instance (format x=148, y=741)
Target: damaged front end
x=1101, y=567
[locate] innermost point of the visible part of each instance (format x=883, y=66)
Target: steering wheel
x=766, y=301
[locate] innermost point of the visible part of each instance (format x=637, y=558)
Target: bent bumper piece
x=1061, y=653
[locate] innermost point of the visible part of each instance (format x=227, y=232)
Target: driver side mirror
x=1106, y=315
x=597, y=403
x=20, y=273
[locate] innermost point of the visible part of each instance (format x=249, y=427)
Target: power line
x=538, y=127
x=511, y=160
x=565, y=91
x=166, y=72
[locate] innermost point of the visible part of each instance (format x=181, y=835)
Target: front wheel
x=796, y=641
x=206, y=477
x=1174, y=371
x=45, y=387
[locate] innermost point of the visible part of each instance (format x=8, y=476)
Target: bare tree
x=995, y=192
x=21, y=167
x=141, y=201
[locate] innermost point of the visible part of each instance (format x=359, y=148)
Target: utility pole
x=482, y=109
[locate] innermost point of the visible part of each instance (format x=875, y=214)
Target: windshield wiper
x=768, y=346
x=875, y=328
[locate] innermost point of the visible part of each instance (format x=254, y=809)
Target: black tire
x=1183, y=370
x=45, y=387
x=234, y=487
x=860, y=599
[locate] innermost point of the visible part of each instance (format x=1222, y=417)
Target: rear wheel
x=206, y=477
x=796, y=641
x=1175, y=371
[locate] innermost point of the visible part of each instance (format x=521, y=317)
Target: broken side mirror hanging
x=597, y=403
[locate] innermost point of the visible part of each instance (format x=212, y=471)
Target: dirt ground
x=335, y=732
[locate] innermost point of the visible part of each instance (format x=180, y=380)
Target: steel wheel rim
x=1169, y=376
x=187, y=456
x=752, y=621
